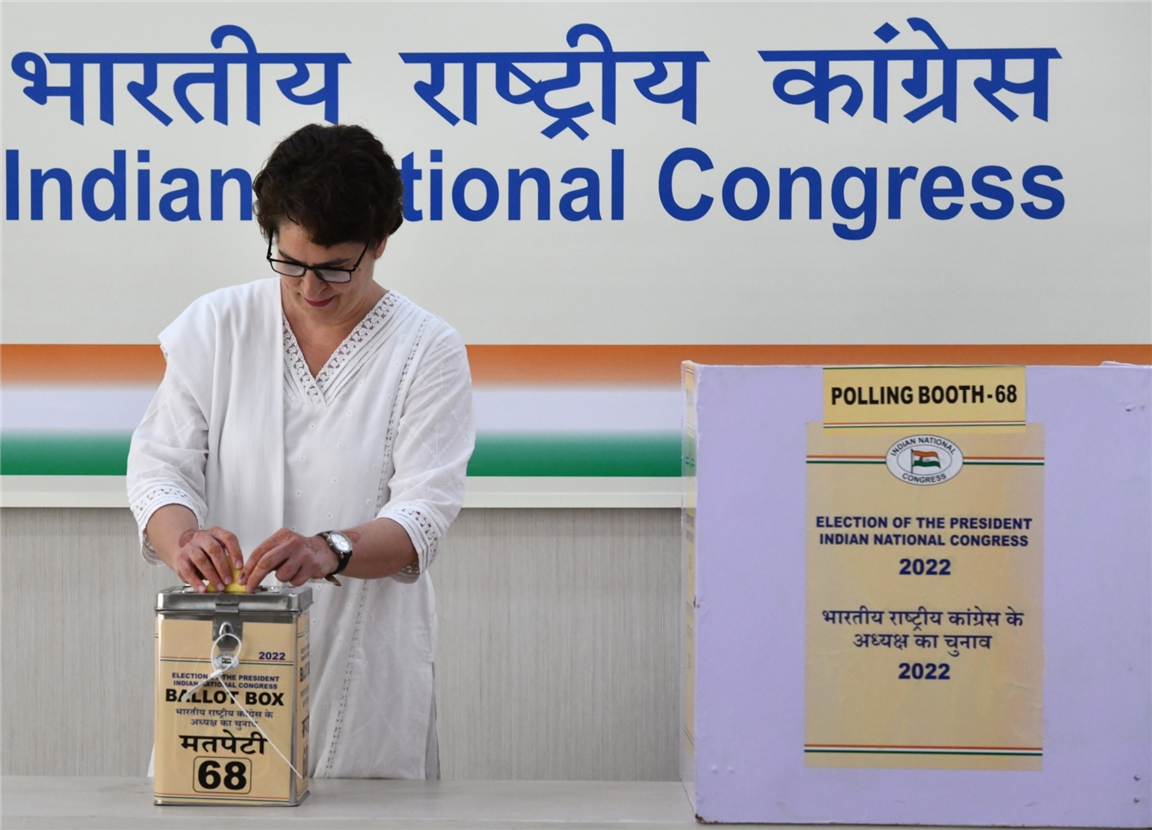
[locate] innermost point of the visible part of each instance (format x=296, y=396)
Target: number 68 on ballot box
x=232, y=697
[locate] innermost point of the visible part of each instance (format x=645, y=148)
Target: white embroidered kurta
x=243, y=435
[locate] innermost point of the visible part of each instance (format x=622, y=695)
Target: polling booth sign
x=905, y=622
x=924, y=562
x=593, y=194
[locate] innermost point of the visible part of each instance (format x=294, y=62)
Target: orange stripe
x=846, y=456
x=661, y=364
x=58, y=363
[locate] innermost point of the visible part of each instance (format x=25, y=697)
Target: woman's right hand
x=197, y=556
x=206, y=555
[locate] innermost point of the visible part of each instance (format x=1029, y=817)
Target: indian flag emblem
x=924, y=459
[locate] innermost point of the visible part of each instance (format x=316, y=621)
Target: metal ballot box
x=232, y=697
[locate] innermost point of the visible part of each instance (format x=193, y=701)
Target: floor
x=72, y=803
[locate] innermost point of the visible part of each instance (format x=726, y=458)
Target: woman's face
x=319, y=301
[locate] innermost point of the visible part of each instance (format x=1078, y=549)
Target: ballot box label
x=220, y=740
x=924, y=618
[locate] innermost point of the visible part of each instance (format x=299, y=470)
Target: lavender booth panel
x=750, y=484
x=1098, y=615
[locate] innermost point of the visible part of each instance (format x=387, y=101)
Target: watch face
x=340, y=542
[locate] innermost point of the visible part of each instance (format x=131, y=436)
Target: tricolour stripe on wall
x=522, y=431
x=647, y=455
x=505, y=409
x=551, y=411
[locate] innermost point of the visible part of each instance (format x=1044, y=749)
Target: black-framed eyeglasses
x=296, y=269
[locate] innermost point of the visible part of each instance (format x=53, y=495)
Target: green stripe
x=531, y=454
x=63, y=454
x=545, y=454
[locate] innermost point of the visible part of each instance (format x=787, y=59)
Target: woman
x=321, y=424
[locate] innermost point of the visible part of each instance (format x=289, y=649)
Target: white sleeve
x=167, y=457
x=433, y=443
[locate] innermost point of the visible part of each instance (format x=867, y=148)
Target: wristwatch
x=340, y=545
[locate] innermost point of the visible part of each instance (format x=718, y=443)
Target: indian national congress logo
x=924, y=459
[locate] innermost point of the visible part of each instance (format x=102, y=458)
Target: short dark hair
x=337, y=182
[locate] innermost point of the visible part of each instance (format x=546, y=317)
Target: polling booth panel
x=918, y=595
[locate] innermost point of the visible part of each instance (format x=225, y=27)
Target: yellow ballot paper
x=924, y=629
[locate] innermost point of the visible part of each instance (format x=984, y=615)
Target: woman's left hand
x=293, y=557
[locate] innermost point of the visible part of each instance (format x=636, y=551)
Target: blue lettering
x=866, y=208
x=982, y=187
x=409, y=175
x=63, y=180
x=436, y=189
x=808, y=174
x=118, y=177
x=491, y=194
x=929, y=192
x=746, y=193
x=759, y=205
x=190, y=193
x=590, y=193
x=243, y=181
x=617, y=185
x=1042, y=191
x=668, y=169
x=12, y=184
x=543, y=192
x=896, y=178
x=143, y=187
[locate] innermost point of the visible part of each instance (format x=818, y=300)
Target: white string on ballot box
x=224, y=662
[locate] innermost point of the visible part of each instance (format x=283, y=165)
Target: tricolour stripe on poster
x=844, y=459
x=921, y=424
x=923, y=750
x=920, y=752
x=978, y=461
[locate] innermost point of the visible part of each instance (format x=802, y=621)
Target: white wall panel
x=558, y=649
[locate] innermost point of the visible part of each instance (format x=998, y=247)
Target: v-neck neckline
x=316, y=386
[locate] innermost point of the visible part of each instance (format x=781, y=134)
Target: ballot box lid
x=184, y=599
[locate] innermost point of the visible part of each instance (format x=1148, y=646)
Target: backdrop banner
x=585, y=175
